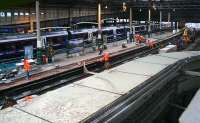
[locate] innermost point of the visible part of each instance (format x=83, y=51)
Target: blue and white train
x=13, y=46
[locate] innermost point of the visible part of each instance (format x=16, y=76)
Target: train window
x=110, y=32
x=80, y=36
x=56, y=40
x=142, y=28
x=119, y=31
x=6, y=48
x=1, y=47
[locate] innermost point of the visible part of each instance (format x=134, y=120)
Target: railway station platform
x=106, y=93
x=62, y=63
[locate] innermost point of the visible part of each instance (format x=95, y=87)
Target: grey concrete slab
x=69, y=104
x=114, y=81
x=12, y=115
x=156, y=59
x=75, y=102
x=141, y=67
x=177, y=55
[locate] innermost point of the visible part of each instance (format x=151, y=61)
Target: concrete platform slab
x=69, y=104
x=122, y=78
x=142, y=67
x=75, y=102
x=113, y=81
x=159, y=60
x=183, y=55
x=12, y=115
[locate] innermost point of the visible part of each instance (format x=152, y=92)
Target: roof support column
x=39, y=43
x=70, y=17
x=99, y=20
x=31, y=24
x=31, y=18
x=177, y=24
x=160, y=20
x=149, y=23
x=169, y=17
x=169, y=21
x=99, y=36
x=132, y=27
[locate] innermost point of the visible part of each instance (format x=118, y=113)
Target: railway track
x=45, y=84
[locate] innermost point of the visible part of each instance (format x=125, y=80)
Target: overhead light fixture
x=124, y=6
x=106, y=7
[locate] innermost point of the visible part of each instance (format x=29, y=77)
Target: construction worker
x=106, y=59
x=100, y=49
x=27, y=68
x=150, y=43
x=139, y=38
x=186, y=37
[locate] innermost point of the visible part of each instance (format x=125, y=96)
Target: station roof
x=164, y=4
x=13, y=3
x=187, y=10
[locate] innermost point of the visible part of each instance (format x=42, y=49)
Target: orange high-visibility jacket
x=106, y=57
x=27, y=66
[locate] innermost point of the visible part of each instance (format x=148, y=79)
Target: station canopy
x=165, y=4
x=187, y=10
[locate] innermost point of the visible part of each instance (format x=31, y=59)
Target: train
x=61, y=37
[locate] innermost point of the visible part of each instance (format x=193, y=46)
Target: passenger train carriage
x=61, y=38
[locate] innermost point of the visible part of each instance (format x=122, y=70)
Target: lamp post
x=149, y=23
x=160, y=21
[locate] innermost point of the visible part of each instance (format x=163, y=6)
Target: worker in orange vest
x=106, y=59
x=137, y=39
x=150, y=43
x=27, y=68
